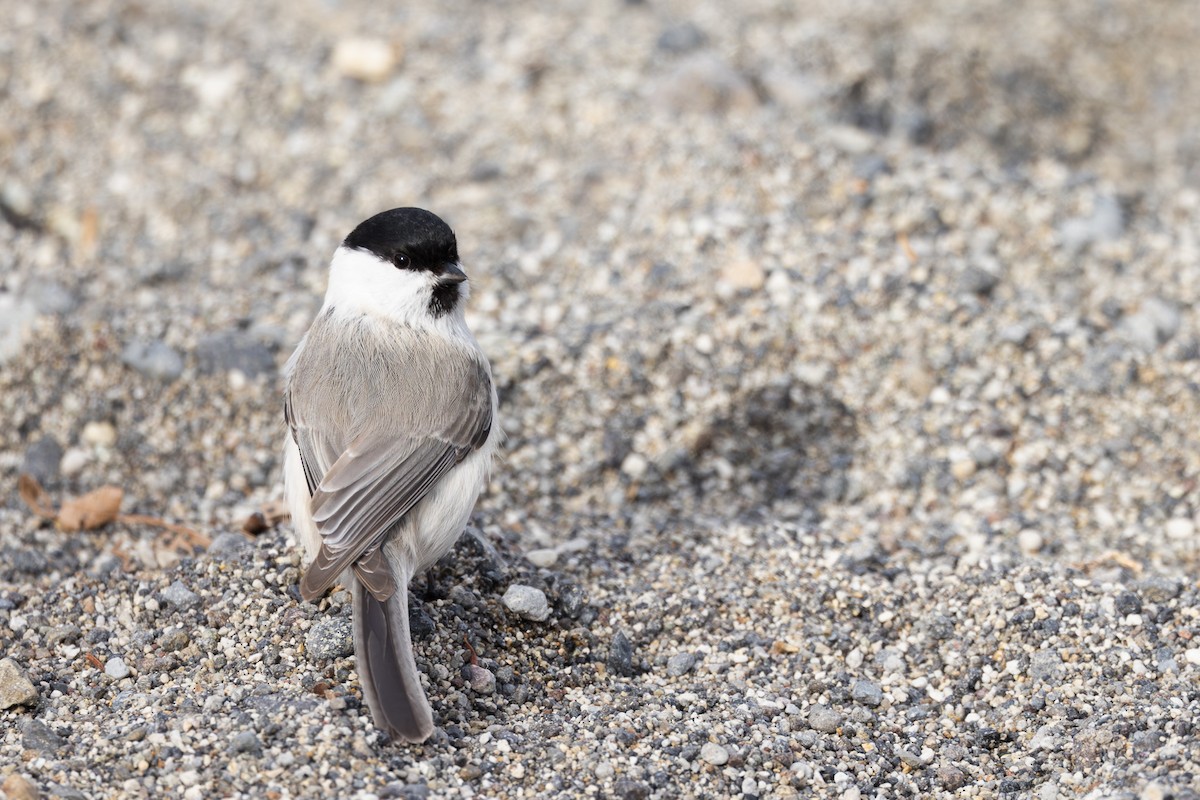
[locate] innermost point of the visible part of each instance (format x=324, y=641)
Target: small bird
x=391, y=416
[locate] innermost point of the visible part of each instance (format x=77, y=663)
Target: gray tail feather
x=386, y=667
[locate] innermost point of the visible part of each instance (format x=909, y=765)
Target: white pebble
x=116, y=668
x=527, y=602
x=542, y=557
x=364, y=59
x=634, y=465
x=1193, y=656
x=1180, y=528
x=1030, y=541
x=99, y=434
x=714, y=754
x=73, y=461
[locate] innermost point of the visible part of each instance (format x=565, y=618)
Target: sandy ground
x=849, y=362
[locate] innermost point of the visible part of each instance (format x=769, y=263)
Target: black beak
x=451, y=274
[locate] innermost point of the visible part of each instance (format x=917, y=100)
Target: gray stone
x=1106, y=223
x=329, y=638
x=42, y=459
x=40, y=737
x=1154, y=323
x=228, y=545
x=15, y=687
x=245, y=742
x=154, y=359
x=714, y=754
x=230, y=350
x=866, y=693
x=824, y=719
x=180, y=596
x=174, y=639
x=63, y=634
x=978, y=280
x=1045, y=665
x=51, y=297
x=682, y=38
x=680, y=664
x=527, y=602
x=482, y=681
x=620, y=655
x=1159, y=589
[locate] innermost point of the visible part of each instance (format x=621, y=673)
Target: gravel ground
x=849, y=361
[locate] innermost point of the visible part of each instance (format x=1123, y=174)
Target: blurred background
x=925, y=267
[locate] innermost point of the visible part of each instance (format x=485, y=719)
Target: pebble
x=40, y=737
x=99, y=434
x=18, y=787
x=867, y=693
x=527, y=602
x=153, y=359
x=824, y=719
x=1153, y=324
x=43, y=460
x=329, y=638
x=543, y=557
x=1030, y=541
x=1192, y=655
x=180, y=596
x=620, y=655
x=680, y=664
x=682, y=38
x=116, y=668
x=1180, y=528
x=365, y=58
x=481, y=681
x=229, y=545
x=1106, y=223
x=714, y=754
x=245, y=742
x=743, y=273
x=51, y=297
x=73, y=462
x=15, y=687
x=16, y=323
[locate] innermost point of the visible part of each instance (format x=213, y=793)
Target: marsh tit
x=391, y=416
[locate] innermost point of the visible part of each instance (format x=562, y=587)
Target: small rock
x=16, y=323
x=245, y=742
x=1192, y=656
x=620, y=655
x=73, y=462
x=51, y=297
x=680, y=664
x=153, y=359
x=702, y=82
x=38, y=736
x=628, y=789
x=1180, y=528
x=116, y=668
x=1160, y=589
x=527, y=602
x=866, y=693
x=174, y=639
x=228, y=545
x=951, y=777
x=18, y=787
x=682, y=38
x=543, y=557
x=1128, y=603
x=482, y=681
x=1030, y=541
x=977, y=280
x=43, y=460
x=365, y=59
x=743, y=273
x=15, y=688
x=180, y=596
x=714, y=754
x=234, y=350
x=99, y=434
x=634, y=466
x=824, y=719
x=63, y=634
x=329, y=638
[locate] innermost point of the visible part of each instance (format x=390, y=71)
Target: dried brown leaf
x=93, y=510
x=35, y=496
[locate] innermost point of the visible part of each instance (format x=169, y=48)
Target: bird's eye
x=401, y=260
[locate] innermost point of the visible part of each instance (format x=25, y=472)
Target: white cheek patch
x=360, y=282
